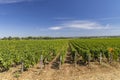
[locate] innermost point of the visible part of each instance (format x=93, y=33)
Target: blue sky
x=59, y=18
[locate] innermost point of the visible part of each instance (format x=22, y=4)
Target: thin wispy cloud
x=12, y=1
x=110, y=18
x=55, y=28
x=63, y=18
x=81, y=24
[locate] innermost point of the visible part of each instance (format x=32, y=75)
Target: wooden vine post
x=75, y=59
x=100, y=61
x=22, y=66
x=88, y=59
x=111, y=57
x=41, y=62
x=60, y=62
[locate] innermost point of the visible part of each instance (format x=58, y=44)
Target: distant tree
x=9, y=38
x=4, y=38
x=16, y=38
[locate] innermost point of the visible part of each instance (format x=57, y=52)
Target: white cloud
x=86, y=25
x=55, y=28
x=81, y=24
x=11, y=1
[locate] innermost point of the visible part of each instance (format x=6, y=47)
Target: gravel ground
x=67, y=72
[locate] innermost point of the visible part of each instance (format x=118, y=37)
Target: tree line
x=31, y=38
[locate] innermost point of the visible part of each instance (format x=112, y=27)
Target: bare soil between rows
x=95, y=71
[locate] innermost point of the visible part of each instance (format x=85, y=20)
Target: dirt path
x=67, y=72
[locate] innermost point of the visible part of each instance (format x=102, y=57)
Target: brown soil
x=67, y=72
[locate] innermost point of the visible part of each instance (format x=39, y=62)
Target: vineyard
x=46, y=52
x=29, y=53
x=92, y=50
